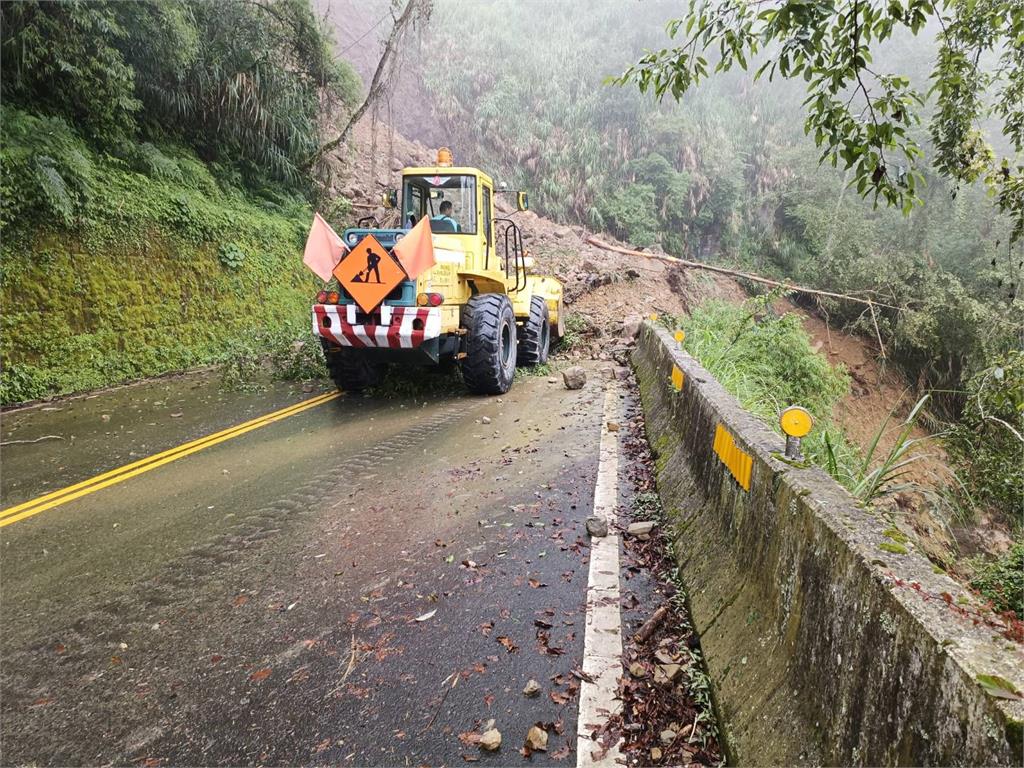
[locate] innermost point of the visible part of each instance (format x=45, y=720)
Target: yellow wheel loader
x=476, y=305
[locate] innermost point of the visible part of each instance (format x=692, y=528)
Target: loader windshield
x=427, y=195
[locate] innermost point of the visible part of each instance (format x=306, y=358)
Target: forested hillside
x=727, y=175
x=156, y=184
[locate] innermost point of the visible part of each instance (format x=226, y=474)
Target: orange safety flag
x=324, y=248
x=415, y=251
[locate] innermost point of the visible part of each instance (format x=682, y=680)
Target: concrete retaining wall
x=823, y=647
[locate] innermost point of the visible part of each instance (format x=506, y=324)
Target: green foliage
x=1002, y=580
x=767, y=363
x=65, y=59
x=988, y=439
x=869, y=483
x=630, y=213
x=230, y=255
x=243, y=83
x=136, y=287
x=860, y=115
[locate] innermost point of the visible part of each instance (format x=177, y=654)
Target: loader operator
x=444, y=221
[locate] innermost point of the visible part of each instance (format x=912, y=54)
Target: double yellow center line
x=114, y=476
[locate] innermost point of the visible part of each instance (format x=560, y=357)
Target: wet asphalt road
x=256, y=602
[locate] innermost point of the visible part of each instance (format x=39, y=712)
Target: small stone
x=552, y=380
x=638, y=670
x=490, y=740
x=622, y=373
x=537, y=739
x=574, y=378
x=597, y=526
x=665, y=674
x=613, y=426
x=485, y=420
x=532, y=689
x=667, y=737
x=655, y=753
x=639, y=529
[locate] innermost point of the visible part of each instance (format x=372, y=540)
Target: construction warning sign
x=368, y=273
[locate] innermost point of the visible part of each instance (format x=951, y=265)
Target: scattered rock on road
x=536, y=739
x=597, y=526
x=485, y=420
x=574, y=378
x=640, y=529
x=490, y=740
x=532, y=689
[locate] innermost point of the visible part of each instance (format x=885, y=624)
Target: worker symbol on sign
x=369, y=273
x=372, y=265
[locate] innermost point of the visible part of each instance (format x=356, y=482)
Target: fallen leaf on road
x=559, y=698
x=259, y=675
x=561, y=753
x=486, y=628
x=507, y=642
x=240, y=600
x=469, y=738
x=216, y=658
x=542, y=624
x=537, y=584
x=489, y=700
x=426, y=615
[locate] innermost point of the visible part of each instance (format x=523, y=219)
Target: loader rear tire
x=350, y=370
x=535, y=335
x=490, y=344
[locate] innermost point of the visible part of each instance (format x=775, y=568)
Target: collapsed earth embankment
x=826, y=639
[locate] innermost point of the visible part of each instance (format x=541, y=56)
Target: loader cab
x=459, y=203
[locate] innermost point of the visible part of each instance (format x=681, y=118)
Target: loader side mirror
x=522, y=201
x=390, y=198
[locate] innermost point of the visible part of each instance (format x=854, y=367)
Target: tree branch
x=377, y=86
x=736, y=273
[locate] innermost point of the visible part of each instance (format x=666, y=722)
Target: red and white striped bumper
x=399, y=327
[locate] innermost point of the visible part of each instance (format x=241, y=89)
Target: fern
x=53, y=189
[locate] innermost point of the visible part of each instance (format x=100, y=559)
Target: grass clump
x=767, y=363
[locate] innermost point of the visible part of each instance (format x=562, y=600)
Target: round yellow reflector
x=796, y=421
x=680, y=336
x=422, y=300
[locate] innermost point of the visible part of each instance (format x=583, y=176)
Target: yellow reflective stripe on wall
x=677, y=378
x=739, y=463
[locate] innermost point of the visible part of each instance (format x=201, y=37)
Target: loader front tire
x=350, y=370
x=535, y=335
x=490, y=344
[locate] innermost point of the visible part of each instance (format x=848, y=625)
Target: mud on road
x=368, y=582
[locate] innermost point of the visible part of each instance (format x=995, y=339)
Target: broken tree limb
x=736, y=273
x=651, y=625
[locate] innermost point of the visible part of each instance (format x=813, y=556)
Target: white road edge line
x=602, y=642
